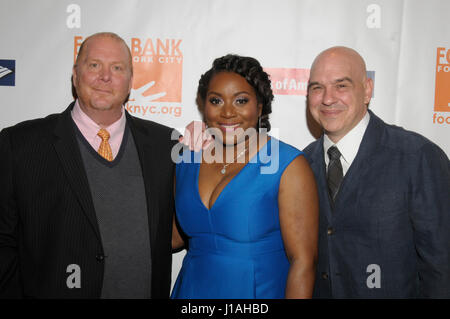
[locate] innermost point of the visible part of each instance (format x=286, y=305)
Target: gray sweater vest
x=118, y=193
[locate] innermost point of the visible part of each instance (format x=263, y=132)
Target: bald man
x=384, y=193
x=86, y=197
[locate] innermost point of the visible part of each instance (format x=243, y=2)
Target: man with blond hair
x=87, y=195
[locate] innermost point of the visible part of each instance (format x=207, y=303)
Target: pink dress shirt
x=89, y=129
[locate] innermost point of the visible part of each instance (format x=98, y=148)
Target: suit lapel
x=66, y=147
x=147, y=152
x=362, y=162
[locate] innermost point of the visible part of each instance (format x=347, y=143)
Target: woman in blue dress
x=247, y=203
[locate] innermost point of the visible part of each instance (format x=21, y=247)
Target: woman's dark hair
x=250, y=69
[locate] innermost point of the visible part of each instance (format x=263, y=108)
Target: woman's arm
x=177, y=240
x=299, y=209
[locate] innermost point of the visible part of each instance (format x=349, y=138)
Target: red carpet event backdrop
x=405, y=43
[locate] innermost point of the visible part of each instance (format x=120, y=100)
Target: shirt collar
x=349, y=144
x=89, y=128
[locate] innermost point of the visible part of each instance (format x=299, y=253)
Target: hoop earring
x=259, y=124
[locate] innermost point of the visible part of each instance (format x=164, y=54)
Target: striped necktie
x=334, y=174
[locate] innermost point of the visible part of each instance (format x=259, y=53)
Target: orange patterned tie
x=105, y=150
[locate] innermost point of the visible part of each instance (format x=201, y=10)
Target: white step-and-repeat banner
x=406, y=45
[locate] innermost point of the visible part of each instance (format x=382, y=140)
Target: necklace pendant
x=223, y=171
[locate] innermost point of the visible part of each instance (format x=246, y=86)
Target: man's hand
x=196, y=137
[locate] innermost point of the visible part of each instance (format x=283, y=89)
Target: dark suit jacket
x=392, y=211
x=47, y=216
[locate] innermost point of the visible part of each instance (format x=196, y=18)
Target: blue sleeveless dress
x=235, y=248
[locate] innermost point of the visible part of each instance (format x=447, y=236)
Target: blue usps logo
x=7, y=72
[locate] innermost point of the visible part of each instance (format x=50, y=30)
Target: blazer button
x=100, y=257
x=330, y=231
x=324, y=275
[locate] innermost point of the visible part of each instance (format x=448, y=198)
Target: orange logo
x=289, y=81
x=159, y=62
x=157, y=76
x=442, y=89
